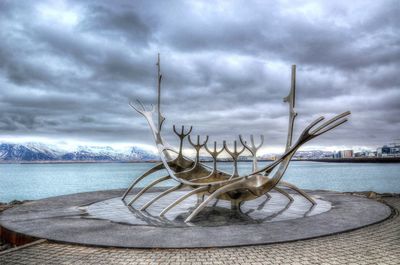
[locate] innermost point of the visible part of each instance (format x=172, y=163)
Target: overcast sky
x=69, y=68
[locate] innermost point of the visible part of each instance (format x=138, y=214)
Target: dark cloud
x=68, y=69
x=124, y=24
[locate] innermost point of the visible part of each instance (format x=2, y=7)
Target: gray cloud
x=68, y=69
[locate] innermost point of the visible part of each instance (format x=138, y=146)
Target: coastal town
x=388, y=152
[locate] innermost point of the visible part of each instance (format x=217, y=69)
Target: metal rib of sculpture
x=209, y=182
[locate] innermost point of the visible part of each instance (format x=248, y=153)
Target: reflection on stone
x=263, y=209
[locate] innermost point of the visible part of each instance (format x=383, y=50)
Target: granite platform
x=102, y=219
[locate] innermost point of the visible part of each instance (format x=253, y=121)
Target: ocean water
x=36, y=181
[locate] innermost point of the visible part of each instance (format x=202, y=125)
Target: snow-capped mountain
x=45, y=152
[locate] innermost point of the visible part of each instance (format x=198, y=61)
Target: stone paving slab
x=375, y=244
x=62, y=219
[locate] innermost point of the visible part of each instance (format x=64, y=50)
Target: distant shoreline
x=106, y=162
x=329, y=160
x=355, y=160
x=75, y=162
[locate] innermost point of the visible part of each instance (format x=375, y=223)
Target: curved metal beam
x=148, y=187
x=283, y=192
x=159, y=196
x=148, y=172
x=298, y=190
x=180, y=199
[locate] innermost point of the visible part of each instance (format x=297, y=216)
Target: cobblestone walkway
x=376, y=244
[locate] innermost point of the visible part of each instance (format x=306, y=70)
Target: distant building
x=245, y=158
x=383, y=151
x=337, y=155
x=314, y=154
x=360, y=154
x=346, y=153
x=395, y=150
x=392, y=150
x=269, y=157
x=365, y=153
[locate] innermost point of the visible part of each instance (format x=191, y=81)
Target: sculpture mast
x=159, y=77
x=292, y=113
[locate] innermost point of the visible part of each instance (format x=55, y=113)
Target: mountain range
x=10, y=152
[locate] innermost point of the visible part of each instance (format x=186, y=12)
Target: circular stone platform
x=102, y=219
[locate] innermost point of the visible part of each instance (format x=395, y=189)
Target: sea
x=36, y=181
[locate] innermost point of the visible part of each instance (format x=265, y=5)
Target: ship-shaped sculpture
x=208, y=182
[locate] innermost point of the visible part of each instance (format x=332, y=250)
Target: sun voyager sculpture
x=208, y=182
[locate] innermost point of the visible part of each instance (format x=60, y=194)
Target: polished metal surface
x=210, y=184
x=261, y=210
x=253, y=149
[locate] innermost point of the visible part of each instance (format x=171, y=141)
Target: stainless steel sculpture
x=209, y=183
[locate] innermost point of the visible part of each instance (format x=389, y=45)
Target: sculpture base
x=274, y=208
x=102, y=219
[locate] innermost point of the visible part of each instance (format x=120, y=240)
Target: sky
x=68, y=69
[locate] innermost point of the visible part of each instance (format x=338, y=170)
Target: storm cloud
x=69, y=68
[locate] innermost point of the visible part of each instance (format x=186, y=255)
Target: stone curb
x=37, y=242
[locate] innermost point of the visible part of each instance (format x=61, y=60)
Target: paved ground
x=376, y=244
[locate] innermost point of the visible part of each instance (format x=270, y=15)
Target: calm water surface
x=35, y=181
